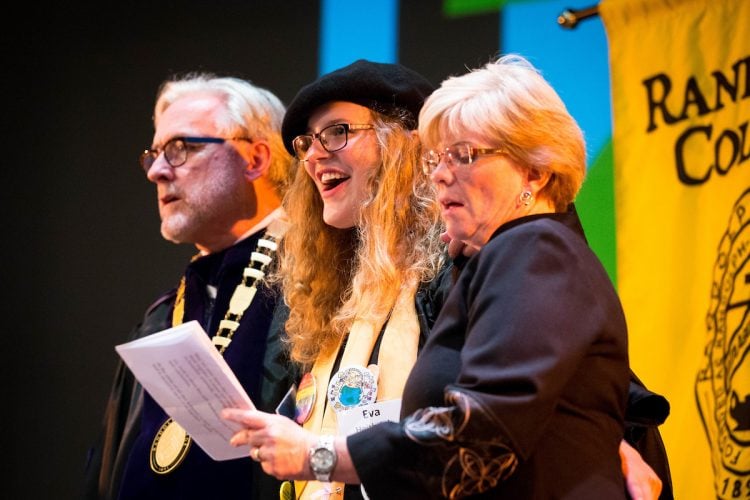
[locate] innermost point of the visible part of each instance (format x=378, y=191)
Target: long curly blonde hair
x=331, y=276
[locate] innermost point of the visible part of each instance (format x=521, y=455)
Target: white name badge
x=361, y=417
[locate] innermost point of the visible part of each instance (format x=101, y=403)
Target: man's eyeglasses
x=458, y=154
x=332, y=138
x=176, y=150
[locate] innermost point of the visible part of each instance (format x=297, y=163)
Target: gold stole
x=398, y=352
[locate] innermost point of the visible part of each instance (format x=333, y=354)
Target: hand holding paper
x=182, y=370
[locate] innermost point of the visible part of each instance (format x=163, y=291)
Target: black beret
x=390, y=89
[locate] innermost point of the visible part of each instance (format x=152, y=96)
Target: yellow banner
x=680, y=72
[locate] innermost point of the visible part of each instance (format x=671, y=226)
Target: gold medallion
x=286, y=491
x=169, y=448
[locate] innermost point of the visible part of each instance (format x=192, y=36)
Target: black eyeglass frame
x=153, y=154
x=431, y=159
x=319, y=136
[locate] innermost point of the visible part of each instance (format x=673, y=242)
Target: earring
x=526, y=198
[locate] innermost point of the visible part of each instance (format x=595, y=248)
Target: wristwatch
x=323, y=458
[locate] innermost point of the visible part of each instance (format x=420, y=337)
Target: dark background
x=83, y=256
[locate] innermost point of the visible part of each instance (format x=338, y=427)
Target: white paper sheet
x=183, y=371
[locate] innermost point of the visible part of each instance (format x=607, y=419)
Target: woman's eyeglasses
x=332, y=138
x=457, y=154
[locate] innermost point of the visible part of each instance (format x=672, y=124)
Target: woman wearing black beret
x=364, y=277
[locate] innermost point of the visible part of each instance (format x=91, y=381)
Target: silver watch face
x=322, y=461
